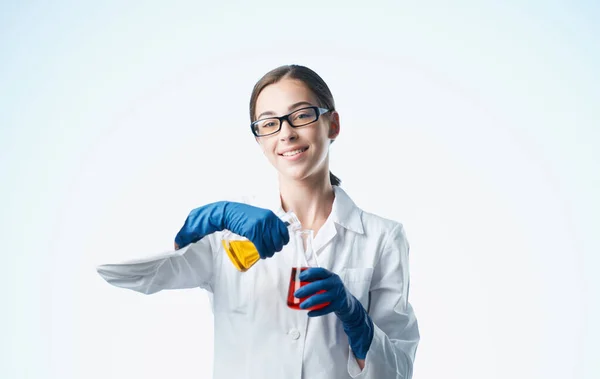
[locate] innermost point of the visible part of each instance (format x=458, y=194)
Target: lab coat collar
x=344, y=211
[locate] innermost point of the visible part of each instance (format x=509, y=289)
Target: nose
x=287, y=132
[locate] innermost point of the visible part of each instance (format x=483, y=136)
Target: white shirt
x=268, y=339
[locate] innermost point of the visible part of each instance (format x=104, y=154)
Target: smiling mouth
x=294, y=152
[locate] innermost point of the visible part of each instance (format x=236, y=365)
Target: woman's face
x=296, y=153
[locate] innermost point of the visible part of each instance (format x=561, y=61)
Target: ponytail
x=335, y=181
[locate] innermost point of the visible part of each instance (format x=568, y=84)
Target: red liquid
x=294, y=302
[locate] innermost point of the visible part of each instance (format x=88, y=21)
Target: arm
x=191, y=264
x=395, y=329
x=189, y=267
x=383, y=342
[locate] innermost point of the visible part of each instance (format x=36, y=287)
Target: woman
x=367, y=330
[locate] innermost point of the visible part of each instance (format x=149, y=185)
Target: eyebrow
x=295, y=105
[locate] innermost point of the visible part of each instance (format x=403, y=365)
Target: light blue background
x=476, y=124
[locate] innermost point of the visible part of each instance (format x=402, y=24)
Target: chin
x=296, y=174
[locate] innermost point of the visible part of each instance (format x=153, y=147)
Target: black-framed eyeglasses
x=297, y=118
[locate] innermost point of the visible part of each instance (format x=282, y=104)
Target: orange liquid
x=294, y=302
x=243, y=254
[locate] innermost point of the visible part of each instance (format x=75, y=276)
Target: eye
x=302, y=115
x=267, y=124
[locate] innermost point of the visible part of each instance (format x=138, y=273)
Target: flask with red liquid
x=304, y=257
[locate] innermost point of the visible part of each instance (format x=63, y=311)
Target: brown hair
x=307, y=76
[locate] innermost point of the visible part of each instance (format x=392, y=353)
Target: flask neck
x=291, y=220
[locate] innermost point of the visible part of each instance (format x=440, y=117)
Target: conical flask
x=303, y=258
x=242, y=252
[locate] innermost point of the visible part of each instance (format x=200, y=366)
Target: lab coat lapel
x=327, y=233
x=344, y=214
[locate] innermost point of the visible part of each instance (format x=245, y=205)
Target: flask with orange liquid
x=242, y=252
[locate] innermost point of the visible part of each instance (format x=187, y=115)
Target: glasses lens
x=266, y=126
x=303, y=116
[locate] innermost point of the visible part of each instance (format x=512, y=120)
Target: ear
x=334, y=126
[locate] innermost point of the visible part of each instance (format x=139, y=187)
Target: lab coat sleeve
x=188, y=267
x=396, y=333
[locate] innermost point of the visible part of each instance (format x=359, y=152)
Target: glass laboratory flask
x=303, y=258
x=242, y=252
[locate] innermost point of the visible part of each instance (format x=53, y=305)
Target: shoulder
x=374, y=225
x=375, y=222
x=387, y=231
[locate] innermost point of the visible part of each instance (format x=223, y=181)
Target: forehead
x=277, y=97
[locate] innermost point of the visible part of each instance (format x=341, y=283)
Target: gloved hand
x=355, y=320
x=261, y=226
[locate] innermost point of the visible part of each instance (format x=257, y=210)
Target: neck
x=310, y=199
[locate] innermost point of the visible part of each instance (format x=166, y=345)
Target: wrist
x=352, y=314
x=359, y=328
x=360, y=339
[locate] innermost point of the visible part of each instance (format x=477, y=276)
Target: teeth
x=293, y=152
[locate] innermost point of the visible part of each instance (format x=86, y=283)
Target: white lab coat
x=257, y=336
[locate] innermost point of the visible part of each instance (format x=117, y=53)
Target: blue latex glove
x=355, y=320
x=261, y=226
